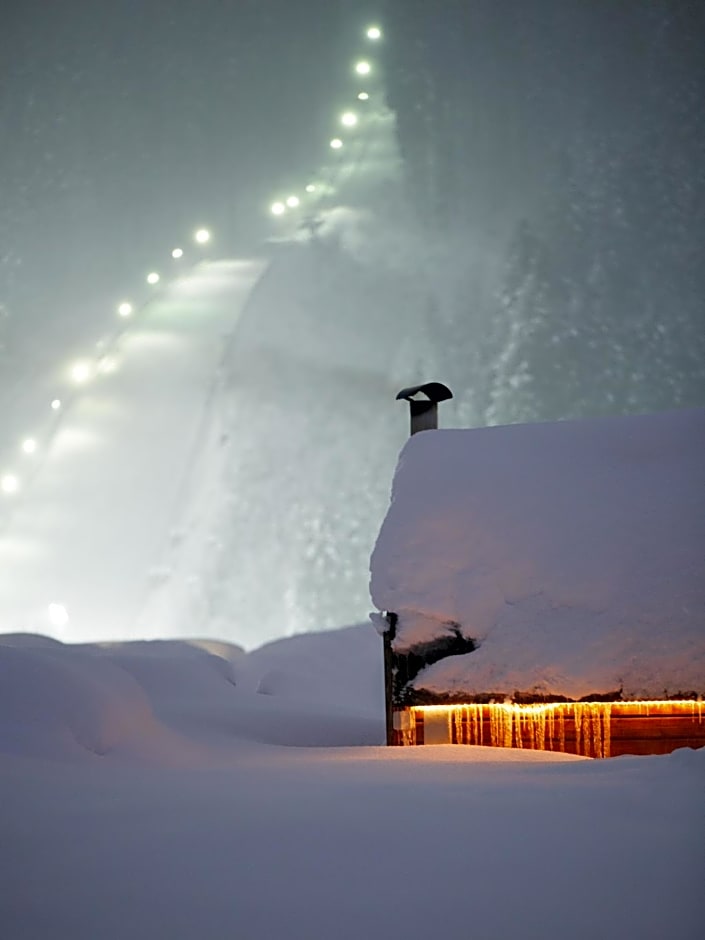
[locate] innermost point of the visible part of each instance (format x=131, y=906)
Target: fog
x=522, y=217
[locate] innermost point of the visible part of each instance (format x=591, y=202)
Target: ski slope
x=197, y=477
x=88, y=536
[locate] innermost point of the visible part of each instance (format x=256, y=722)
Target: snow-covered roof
x=572, y=553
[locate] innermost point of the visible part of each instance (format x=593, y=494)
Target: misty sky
x=125, y=123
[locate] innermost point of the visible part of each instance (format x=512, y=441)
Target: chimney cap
x=429, y=391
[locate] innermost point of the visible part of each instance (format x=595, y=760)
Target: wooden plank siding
x=598, y=729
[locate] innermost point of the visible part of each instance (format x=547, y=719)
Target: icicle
x=607, y=738
x=547, y=726
x=410, y=734
x=592, y=728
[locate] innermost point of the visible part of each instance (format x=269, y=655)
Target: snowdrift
x=55, y=701
x=340, y=668
x=178, y=702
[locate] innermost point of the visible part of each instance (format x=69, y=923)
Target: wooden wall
x=594, y=729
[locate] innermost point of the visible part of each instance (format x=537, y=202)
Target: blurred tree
x=555, y=155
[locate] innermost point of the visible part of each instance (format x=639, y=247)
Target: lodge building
x=542, y=586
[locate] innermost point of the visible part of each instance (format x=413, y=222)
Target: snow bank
x=173, y=670
x=341, y=668
x=571, y=552
x=58, y=702
x=115, y=700
x=180, y=701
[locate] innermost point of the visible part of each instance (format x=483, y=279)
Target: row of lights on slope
x=81, y=372
x=84, y=370
x=348, y=119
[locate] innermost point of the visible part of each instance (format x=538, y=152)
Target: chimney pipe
x=423, y=404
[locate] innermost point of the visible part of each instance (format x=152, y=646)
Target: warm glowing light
x=58, y=615
x=336, y=143
x=81, y=372
x=583, y=728
x=153, y=277
x=9, y=483
x=363, y=96
x=310, y=188
x=363, y=68
x=202, y=236
x=293, y=201
x=177, y=253
x=374, y=32
x=125, y=309
x=29, y=446
x=349, y=119
x=278, y=208
x=56, y=404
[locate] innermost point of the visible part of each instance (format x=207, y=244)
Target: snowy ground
x=142, y=794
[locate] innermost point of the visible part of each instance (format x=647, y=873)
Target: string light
x=578, y=727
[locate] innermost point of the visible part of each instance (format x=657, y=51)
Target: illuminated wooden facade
x=606, y=728
x=612, y=460
x=591, y=729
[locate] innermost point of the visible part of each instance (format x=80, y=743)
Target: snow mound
x=342, y=668
x=59, y=702
x=29, y=641
x=571, y=553
x=170, y=671
x=180, y=702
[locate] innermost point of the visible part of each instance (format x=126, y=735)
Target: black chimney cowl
x=423, y=404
